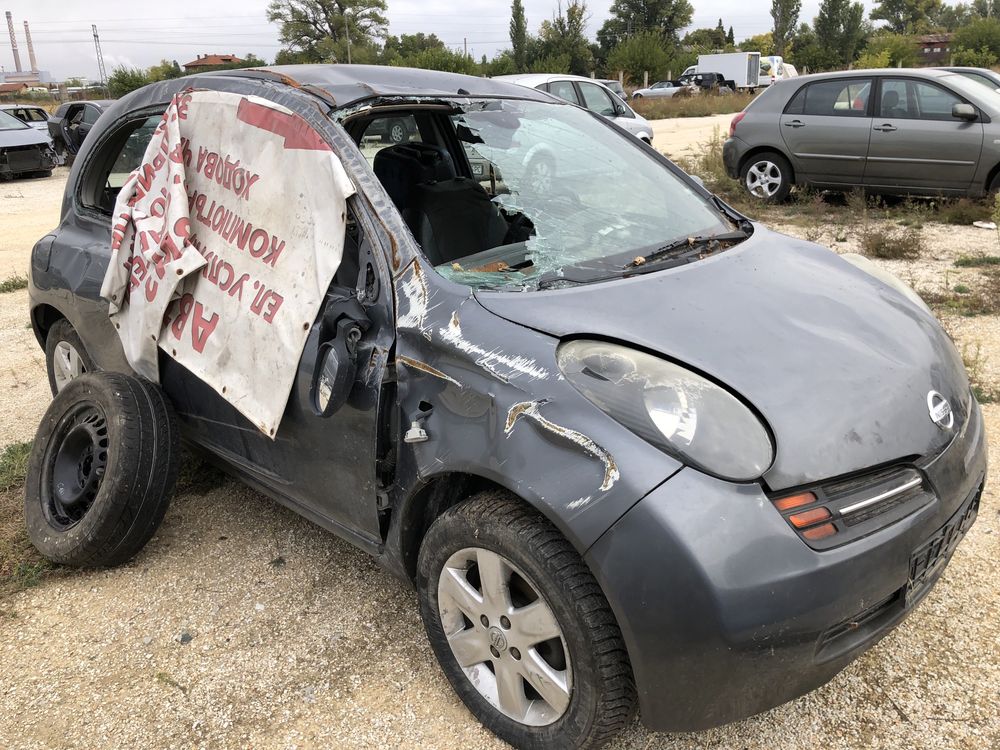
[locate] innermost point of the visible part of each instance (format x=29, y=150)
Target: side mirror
x=964, y=112
x=336, y=368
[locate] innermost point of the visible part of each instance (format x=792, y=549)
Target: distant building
x=12, y=89
x=210, y=61
x=933, y=49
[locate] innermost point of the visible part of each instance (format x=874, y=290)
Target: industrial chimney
x=31, y=49
x=13, y=42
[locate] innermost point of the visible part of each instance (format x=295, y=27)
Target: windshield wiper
x=679, y=247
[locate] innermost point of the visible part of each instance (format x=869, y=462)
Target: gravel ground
x=243, y=625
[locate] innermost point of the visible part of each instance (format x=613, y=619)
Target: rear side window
x=122, y=153
x=90, y=115
x=840, y=98
x=564, y=90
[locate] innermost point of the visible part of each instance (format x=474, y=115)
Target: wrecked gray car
x=23, y=149
x=631, y=448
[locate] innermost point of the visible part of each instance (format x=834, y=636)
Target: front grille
x=24, y=158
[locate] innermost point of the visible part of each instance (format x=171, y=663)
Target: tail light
x=736, y=121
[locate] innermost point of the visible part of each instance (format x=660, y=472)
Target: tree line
x=639, y=37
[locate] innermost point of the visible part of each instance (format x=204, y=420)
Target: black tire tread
x=139, y=481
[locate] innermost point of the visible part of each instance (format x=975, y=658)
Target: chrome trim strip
x=879, y=498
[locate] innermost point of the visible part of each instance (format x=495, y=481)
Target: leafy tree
x=502, y=65
x=551, y=64
x=730, y=38
x=74, y=83
x=519, y=36
x=443, y=58
x=706, y=39
x=981, y=34
x=763, y=43
x=785, y=14
x=123, y=80
x=906, y=16
x=307, y=23
x=663, y=17
x=981, y=58
x=397, y=49
x=898, y=50
x=565, y=36
x=165, y=70
x=840, y=26
x=637, y=54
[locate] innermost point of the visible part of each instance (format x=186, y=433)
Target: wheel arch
x=993, y=174
x=43, y=317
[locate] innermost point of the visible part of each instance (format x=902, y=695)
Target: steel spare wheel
x=102, y=469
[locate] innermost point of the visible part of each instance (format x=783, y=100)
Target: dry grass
x=982, y=299
x=975, y=261
x=20, y=564
x=889, y=243
x=13, y=283
x=699, y=105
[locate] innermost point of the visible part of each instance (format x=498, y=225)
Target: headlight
x=861, y=262
x=675, y=409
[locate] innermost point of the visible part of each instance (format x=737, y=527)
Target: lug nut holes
x=504, y=622
x=493, y=650
x=515, y=653
x=484, y=620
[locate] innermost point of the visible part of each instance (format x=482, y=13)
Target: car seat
x=402, y=167
x=890, y=105
x=455, y=218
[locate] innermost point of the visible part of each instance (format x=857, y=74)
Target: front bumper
x=726, y=612
x=18, y=159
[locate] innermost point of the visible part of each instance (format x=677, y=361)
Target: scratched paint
x=411, y=286
x=529, y=409
x=424, y=367
x=492, y=360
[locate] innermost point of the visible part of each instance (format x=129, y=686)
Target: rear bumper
x=727, y=613
x=732, y=151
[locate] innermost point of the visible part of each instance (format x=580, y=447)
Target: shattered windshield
x=573, y=194
x=9, y=122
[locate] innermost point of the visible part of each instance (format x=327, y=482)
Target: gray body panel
x=718, y=598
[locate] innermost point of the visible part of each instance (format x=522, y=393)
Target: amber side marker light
x=809, y=517
x=791, y=502
x=820, y=532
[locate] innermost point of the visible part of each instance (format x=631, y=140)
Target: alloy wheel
x=763, y=179
x=505, y=636
x=67, y=364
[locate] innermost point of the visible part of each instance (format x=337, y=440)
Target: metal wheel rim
x=396, y=133
x=75, y=462
x=763, y=179
x=540, y=177
x=509, y=645
x=67, y=364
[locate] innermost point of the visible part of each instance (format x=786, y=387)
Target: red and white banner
x=224, y=241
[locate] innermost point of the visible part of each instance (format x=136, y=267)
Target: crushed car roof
x=353, y=83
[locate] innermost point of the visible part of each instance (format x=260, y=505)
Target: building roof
x=205, y=61
x=11, y=88
x=348, y=84
x=933, y=38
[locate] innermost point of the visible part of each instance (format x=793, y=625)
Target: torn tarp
x=224, y=241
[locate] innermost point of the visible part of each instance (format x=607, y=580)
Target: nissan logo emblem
x=940, y=410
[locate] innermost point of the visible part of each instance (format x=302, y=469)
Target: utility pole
x=100, y=60
x=347, y=34
x=465, y=46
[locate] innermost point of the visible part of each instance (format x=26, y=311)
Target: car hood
x=27, y=137
x=837, y=362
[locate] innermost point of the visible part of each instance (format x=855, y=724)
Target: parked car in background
x=71, y=122
x=742, y=70
x=630, y=447
x=659, y=90
x=615, y=87
x=773, y=68
x=34, y=117
x=398, y=130
x=897, y=131
x=985, y=76
x=589, y=94
x=23, y=149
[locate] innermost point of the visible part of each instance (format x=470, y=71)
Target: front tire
x=767, y=177
x=101, y=471
x=521, y=627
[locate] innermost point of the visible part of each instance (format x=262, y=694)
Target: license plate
x=931, y=556
x=477, y=170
